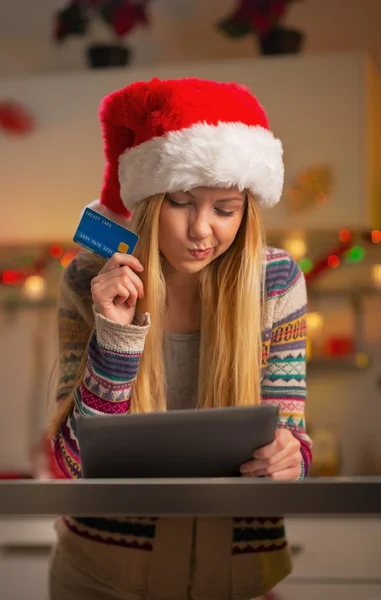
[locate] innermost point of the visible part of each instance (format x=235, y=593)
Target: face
x=196, y=227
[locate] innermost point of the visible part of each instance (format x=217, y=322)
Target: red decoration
x=327, y=261
x=121, y=15
x=9, y=277
x=345, y=235
x=14, y=118
x=56, y=251
x=127, y=16
x=258, y=16
x=339, y=346
x=333, y=261
x=263, y=15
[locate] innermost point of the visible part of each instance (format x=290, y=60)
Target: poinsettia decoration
x=122, y=16
x=15, y=118
x=254, y=16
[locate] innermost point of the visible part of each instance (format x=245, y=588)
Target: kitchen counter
x=351, y=496
x=333, y=525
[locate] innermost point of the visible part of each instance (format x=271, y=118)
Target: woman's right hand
x=116, y=288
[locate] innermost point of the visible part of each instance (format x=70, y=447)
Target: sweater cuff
x=115, y=336
x=302, y=472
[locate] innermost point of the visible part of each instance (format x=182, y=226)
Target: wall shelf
x=358, y=362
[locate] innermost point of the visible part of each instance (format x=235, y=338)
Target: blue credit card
x=103, y=236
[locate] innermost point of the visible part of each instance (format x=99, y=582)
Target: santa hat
x=166, y=136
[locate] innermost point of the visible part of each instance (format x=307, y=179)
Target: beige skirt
x=68, y=581
x=82, y=569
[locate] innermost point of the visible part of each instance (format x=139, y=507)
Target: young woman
x=203, y=315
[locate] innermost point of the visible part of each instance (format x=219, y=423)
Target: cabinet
x=25, y=546
x=335, y=559
x=345, y=549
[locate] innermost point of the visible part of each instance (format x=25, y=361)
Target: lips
x=200, y=249
x=201, y=253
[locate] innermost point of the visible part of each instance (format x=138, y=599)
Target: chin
x=188, y=268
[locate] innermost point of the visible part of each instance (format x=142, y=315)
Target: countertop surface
x=192, y=497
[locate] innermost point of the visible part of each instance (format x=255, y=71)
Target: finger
x=124, y=275
x=247, y=467
x=118, y=260
x=290, y=462
x=283, y=439
x=132, y=294
x=104, y=296
x=128, y=273
x=292, y=449
x=276, y=462
x=291, y=474
x=253, y=465
x=123, y=299
x=127, y=278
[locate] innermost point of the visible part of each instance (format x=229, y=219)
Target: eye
x=176, y=204
x=224, y=213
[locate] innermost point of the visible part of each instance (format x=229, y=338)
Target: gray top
x=181, y=360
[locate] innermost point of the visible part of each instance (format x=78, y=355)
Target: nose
x=199, y=224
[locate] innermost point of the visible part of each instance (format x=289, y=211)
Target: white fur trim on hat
x=223, y=155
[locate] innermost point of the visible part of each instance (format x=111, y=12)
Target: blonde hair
x=231, y=291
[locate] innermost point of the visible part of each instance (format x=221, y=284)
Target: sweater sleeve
x=113, y=357
x=284, y=377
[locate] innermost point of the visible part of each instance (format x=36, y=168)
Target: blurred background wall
x=324, y=103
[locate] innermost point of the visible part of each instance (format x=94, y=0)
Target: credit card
x=103, y=236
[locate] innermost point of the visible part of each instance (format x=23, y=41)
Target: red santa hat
x=166, y=136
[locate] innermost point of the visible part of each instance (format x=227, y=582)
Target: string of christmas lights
x=55, y=252
x=346, y=252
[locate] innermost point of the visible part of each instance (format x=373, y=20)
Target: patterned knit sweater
x=236, y=558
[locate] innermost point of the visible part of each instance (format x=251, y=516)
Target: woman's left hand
x=281, y=459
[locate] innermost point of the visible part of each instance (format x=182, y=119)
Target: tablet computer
x=178, y=443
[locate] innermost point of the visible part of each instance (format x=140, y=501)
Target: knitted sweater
x=226, y=558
